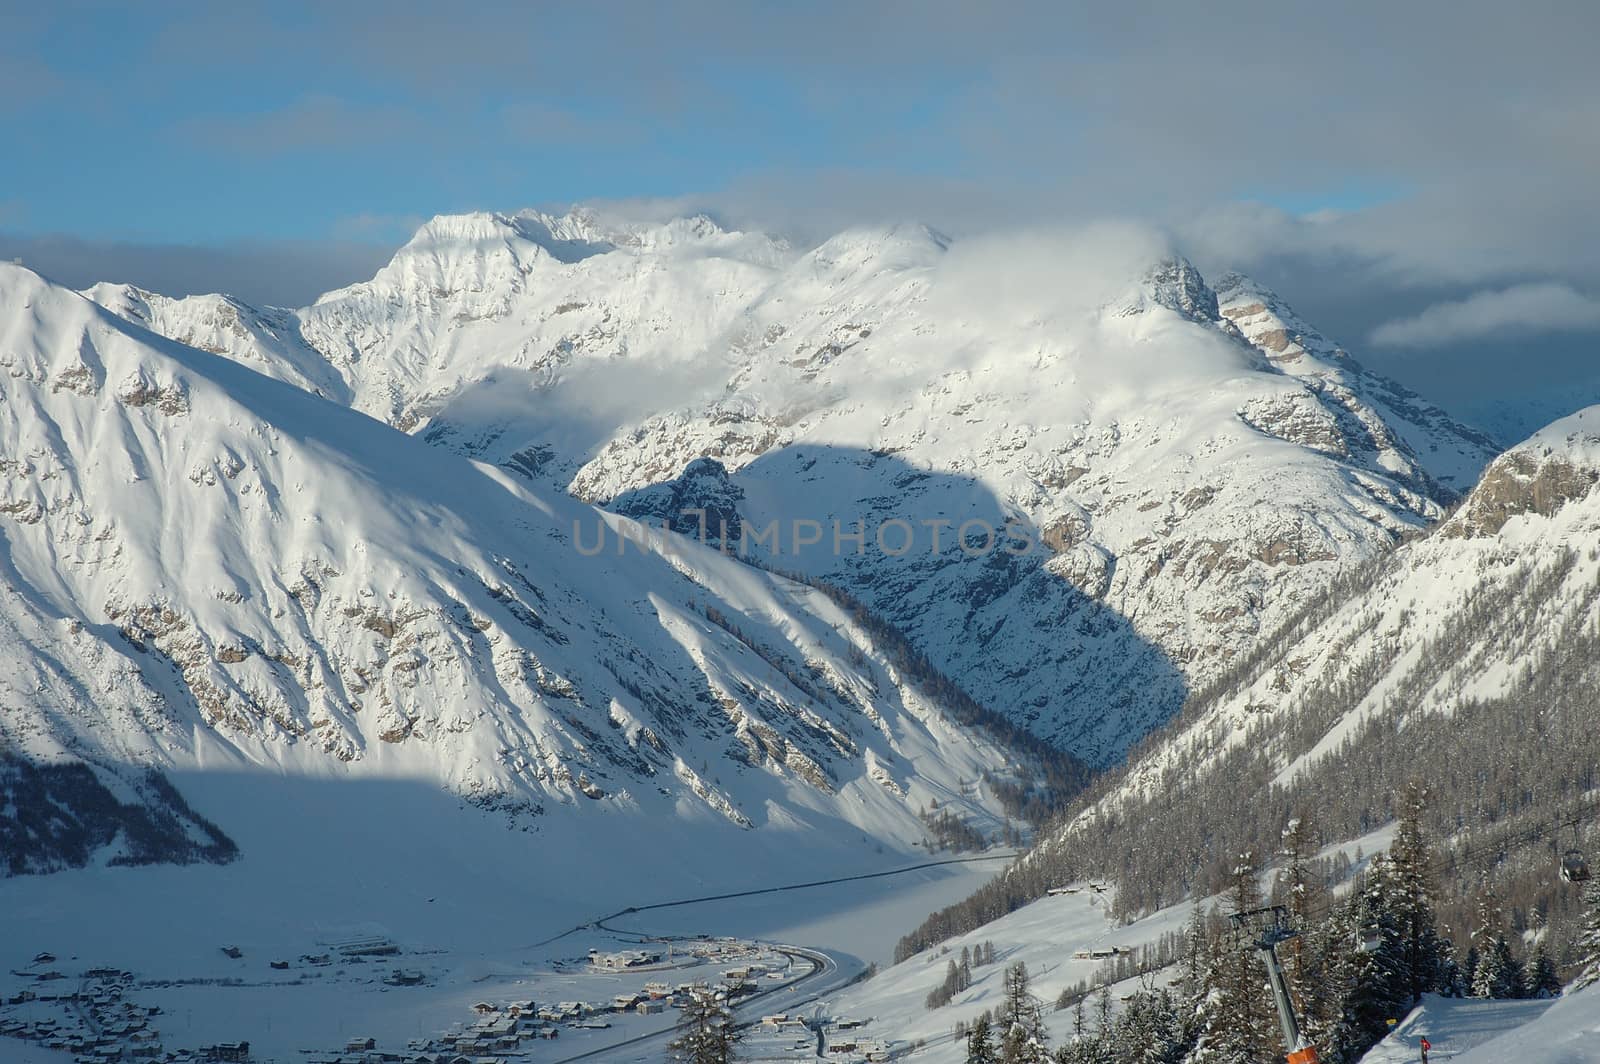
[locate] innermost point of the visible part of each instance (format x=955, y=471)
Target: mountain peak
x=599, y=226
x=1174, y=283
x=1576, y=436
x=1171, y=282
x=525, y=235
x=904, y=246
x=1268, y=322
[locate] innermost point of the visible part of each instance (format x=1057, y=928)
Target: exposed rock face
x=701, y=502
x=1391, y=418
x=1558, y=466
x=1178, y=286
x=1087, y=567
x=1066, y=531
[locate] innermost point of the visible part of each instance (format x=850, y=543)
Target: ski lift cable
x=1472, y=856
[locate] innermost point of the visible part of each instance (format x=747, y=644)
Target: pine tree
x=1218, y=1036
x=1084, y=1049
x=1373, y=984
x=1411, y=895
x=706, y=1033
x=955, y=981
x=1543, y=982
x=1233, y=1021
x=1588, y=944
x=1497, y=974
x=1193, y=981
x=1150, y=1030
x=1022, y=1034
x=1452, y=980
x=1301, y=891
x=980, y=1042
x=1329, y=1025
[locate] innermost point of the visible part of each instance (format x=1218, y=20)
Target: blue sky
x=1375, y=162
x=288, y=123
x=187, y=124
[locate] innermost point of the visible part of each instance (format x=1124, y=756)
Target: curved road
x=828, y=973
x=1004, y=856
x=826, y=976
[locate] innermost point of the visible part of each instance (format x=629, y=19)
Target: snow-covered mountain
x=1388, y=415
x=1188, y=489
x=1467, y=659
x=1191, y=461
x=1510, y=581
x=474, y=299
x=268, y=341
x=205, y=567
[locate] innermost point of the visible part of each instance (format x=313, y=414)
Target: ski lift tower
x=1265, y=928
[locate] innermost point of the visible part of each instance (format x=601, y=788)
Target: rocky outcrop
x=1540, y=477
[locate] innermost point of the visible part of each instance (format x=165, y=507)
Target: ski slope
x=1566, y=1033
x=1480, y=1031
x=1045, y=936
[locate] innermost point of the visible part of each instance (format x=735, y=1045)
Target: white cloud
x=1525, y=307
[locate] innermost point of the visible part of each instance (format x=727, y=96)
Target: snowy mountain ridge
x=1191, y=472
x=1466, y=660
x=1523, y=538
x=209, y=568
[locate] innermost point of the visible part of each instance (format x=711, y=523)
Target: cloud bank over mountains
x=1365, y=160
x=1530, y=307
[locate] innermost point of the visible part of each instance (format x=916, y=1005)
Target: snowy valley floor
x=480, y=911
x=484, y=913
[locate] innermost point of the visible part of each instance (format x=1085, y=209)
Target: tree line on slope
x=57, y=815
x=1509, y=776
x=1361, y=959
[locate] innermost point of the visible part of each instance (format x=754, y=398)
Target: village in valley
x=557, y=1007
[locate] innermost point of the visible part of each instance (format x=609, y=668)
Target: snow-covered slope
x=56, y=808
x=268, y=341
x=224, y=571
x=1191, y=467
x=1475, y=645
x=1187, y=489
x=1468, y=1029
x=1387, y=418
x=1510, y=580
x=1567, y=1033
x=1466, y=661
x=1057, y=938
